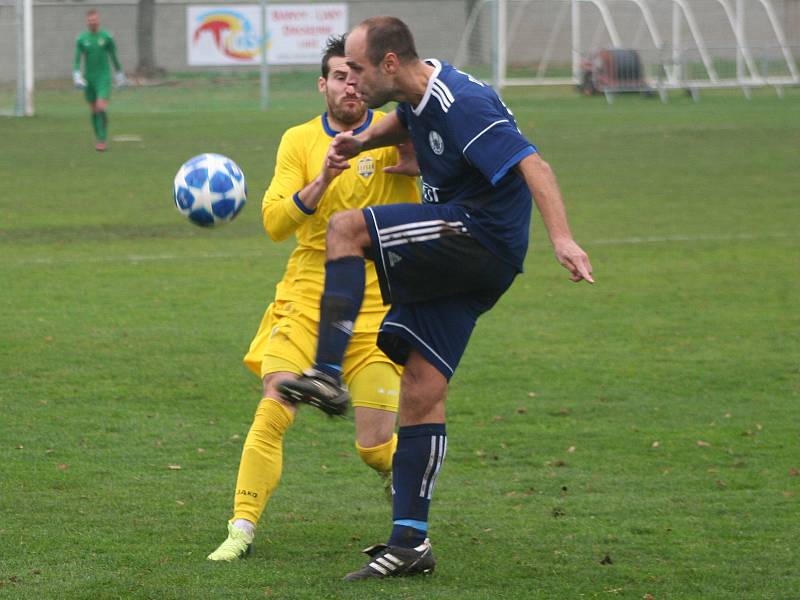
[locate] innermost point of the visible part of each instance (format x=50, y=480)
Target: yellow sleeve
x=279, y=211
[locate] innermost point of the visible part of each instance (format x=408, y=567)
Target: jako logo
x=232, y=32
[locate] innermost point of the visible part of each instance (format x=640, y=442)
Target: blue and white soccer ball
x=210, y=190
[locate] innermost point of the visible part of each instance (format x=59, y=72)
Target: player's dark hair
x=92, y=11
x=388, y=34
x=334, y=46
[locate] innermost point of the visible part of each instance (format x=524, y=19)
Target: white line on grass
x=135, y=258
x=724, y=237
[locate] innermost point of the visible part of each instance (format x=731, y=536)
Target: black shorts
x=437, y=278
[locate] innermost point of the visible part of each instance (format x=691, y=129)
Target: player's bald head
x=388, y=34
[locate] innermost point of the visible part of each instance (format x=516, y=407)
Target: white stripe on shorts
x=420, y=231
x=407, y=240
x=418, y=224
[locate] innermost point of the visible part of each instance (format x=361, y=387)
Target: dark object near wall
x=611, y=71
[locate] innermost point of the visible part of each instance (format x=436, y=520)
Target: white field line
x=656, y=239
x=136, y=258
x=131, y=258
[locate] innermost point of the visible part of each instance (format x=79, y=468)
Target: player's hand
x=330, y=168
x=344, y=146
x=573, y=259
x=121, y=80
x=406, y=161
x=78, y=81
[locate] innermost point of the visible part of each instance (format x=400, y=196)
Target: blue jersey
x=467, y=143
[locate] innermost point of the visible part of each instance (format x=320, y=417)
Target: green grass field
x=635, y=439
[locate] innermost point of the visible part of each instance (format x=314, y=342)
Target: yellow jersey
x=299, y=160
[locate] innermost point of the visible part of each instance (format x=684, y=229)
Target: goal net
x=668, y=43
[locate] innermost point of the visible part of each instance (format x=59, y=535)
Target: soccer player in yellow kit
x=302, y=196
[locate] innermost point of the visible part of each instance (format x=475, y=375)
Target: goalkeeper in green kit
x=98, y=48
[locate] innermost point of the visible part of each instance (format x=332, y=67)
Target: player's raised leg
x=341, y=301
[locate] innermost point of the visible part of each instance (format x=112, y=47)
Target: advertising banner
x=231, y=34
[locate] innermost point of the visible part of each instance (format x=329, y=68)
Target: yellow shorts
x=287, y=341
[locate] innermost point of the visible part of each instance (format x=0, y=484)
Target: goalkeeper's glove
x=121, y=80
x=78, y=80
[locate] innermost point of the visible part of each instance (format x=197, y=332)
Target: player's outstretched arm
x=406, y=161
x=389, y=131
x=545, y=191
x=312, y=193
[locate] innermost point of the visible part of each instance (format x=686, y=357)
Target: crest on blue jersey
x=436, y=142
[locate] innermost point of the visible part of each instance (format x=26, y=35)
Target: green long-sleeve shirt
x=98, y=48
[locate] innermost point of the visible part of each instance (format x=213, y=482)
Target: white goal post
x=16, y=26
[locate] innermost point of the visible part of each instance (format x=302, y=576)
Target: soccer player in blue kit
x=440, y=264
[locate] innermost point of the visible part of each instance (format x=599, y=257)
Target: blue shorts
x=437, y=278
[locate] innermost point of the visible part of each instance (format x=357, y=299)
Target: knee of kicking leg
x=347, y=234
x=344, y=223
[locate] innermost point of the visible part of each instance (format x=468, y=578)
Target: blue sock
x=417, y=460
x=339, y=306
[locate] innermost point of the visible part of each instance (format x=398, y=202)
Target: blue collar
x=332, y=132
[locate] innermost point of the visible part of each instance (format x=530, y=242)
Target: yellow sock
x=262, y=460
x=379, y=457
